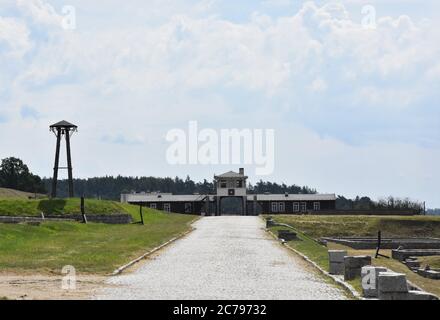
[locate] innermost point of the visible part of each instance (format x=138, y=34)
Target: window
x=223, y=184
x=316, y=206
x=239, y=183
x=167, y=207
x=274, y=207
x=153, y=206
x=188, y=207
x=296, y=207
x=281, y=207
x=303, y=206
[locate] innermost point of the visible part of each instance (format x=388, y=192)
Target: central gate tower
x=231, y=185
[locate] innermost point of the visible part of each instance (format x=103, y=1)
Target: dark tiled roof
x=64, y=124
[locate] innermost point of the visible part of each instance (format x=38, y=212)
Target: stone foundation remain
x=287, y=235
x=392, y=286
x=336, y=261
x=353, y=266
x=370, y=280
x=403, y=254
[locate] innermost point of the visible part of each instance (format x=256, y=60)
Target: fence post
x=83, y=211
x=141, y=214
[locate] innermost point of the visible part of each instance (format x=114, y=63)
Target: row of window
x=276, y=207
x=225, y=184
x=297, y=206
x=167, y=207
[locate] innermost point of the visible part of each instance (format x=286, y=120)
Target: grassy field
x=6, y=193
x=310, y=228
x=91, y=248
x=345, y=226
x=433, y=262
x=21, y=207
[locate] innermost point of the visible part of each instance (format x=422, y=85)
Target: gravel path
x=224, y=258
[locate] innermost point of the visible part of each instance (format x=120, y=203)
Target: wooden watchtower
x=60, y=129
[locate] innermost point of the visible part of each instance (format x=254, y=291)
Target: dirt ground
x=47, y=287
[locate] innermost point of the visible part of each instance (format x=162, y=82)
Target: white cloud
x=318, y=85
x=14, y=37
x=130, y=82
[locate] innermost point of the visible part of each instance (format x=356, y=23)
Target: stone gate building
x=232, y=198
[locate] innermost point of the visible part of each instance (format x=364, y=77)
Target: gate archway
x=232, y=206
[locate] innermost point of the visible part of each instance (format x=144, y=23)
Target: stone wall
x=380, y=212
x=97, y=218
x=386, y=243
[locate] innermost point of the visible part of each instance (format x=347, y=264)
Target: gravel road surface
x=224, y=258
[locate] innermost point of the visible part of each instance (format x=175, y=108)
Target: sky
x=354, y=107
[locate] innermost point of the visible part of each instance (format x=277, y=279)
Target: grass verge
x=346, y=226
x=22, y=207
x=91, y=248
x=314, y=251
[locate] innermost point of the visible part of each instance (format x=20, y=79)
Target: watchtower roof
x=231, y=174
x=63, y=124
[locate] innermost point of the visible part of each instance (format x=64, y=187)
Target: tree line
x=110, y=187
x=14, y=174
x=389, y=203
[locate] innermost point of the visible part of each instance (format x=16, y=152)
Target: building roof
x=293, y=197
x=139, y=197
x=63, y=124
x=231, y=174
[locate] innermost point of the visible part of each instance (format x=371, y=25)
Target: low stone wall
x=402, y=255
x=365, y=212
x=96, y=218
x=430, y=274
x=387, y=243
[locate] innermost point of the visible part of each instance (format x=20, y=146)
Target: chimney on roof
x=241, y=171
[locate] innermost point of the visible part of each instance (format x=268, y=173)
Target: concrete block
x=357, y=261
x=337, y=255
x=421, y=295
x=393, y=295
x=286, y=235
x=391, y=282
x=370, y=279
x=412, y=264
x=353, y=266
x=269, y=223
x=336, y=268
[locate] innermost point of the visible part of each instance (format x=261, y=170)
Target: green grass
x=21, y=207
x=433, y=262
x=346, y=226
x=309, y=247
x=91, y=248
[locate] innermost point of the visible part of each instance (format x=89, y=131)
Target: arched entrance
x=231, y=206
